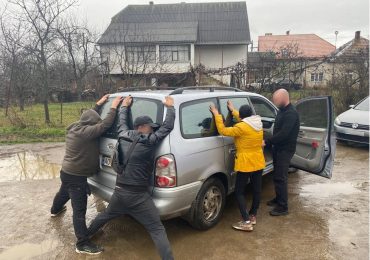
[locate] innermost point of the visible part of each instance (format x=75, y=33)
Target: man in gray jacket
x=81, y=160
x=131, y=195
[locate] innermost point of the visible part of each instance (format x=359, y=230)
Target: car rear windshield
x=140, y=107
x=364, y=105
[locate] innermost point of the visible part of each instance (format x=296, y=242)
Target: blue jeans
x=140, y=206
x=76, y=189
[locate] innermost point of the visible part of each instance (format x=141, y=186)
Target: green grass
x=29, y=125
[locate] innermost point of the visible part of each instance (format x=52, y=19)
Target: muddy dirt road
x=328, y=218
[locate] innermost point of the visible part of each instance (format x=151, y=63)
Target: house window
x=317, y=77
x=174, y=53
x=284, y=53
x=349, y=76
x=143, y=54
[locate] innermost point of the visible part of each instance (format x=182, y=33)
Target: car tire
x=211, y=197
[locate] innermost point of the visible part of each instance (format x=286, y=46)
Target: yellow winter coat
x=248, y=144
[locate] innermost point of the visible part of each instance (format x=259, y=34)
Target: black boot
x=279, y=211
x=272, y=203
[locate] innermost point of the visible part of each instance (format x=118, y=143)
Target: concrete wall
x=114, y=55
x=220, y=56
x=211, y=56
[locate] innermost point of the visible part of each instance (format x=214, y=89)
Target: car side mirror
x=351, y=106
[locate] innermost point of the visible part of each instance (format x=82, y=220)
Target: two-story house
x=158, y=44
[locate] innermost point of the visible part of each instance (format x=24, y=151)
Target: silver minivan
x=193, y=170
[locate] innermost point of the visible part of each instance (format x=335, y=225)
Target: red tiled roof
x=354, y=47
x=309, y=45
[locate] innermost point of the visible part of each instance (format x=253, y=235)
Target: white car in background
x=353, y=124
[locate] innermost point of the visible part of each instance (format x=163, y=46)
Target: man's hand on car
x=230, y=106
x=127, y=101
x=213, y=109
x=168, y=102
x=116, y=102
x=103, y=100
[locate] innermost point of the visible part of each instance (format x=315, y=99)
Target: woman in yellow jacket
x=249, y=159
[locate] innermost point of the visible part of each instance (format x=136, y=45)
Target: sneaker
x=243, y=225
x=53, y=215
x=253, y=219
x=89, y=249
x=279, y=211
x=272, y=203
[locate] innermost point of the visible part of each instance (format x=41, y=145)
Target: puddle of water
x=27, y=166
x=28, y=250
x=320, y=190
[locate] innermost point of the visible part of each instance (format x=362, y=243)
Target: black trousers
x=280, y=176
x=241, y=182
x=140, y=206
x=76, y=189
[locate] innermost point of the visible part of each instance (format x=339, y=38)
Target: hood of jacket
x=89, y=117
x=254, y=121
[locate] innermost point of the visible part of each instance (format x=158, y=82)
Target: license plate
x=107, y=161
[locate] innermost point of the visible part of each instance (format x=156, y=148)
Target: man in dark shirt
x=283, y=142
x=131, y=195
x=81, y=160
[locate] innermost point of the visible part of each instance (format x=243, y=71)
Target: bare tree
x=287, y=63
x=350, y=81
x=43, y=18
x=267, y=68
x=12, y=56
x=79, y=44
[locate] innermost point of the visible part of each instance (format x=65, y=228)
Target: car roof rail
x=146, y=89
x=211, y=88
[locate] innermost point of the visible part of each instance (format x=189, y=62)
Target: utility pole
x=336, y=37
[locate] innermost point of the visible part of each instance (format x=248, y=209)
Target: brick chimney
x=151, y=3
x=357, y=36
x=287, y=32
x=268, y=34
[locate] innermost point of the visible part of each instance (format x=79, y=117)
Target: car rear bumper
x=352, y=135
x=170, y=202
x=174, y=202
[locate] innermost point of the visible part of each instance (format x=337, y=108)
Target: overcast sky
x=322, y=17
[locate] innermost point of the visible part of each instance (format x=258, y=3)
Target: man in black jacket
x=283, y=141
x=81, y=160
x=131, y=193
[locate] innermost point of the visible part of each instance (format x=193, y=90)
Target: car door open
x=316, y=142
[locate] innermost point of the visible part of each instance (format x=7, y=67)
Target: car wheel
x=208, y=206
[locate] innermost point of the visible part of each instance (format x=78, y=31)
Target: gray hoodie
x=82, y=142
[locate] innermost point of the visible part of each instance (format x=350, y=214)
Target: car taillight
x=165, y=171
